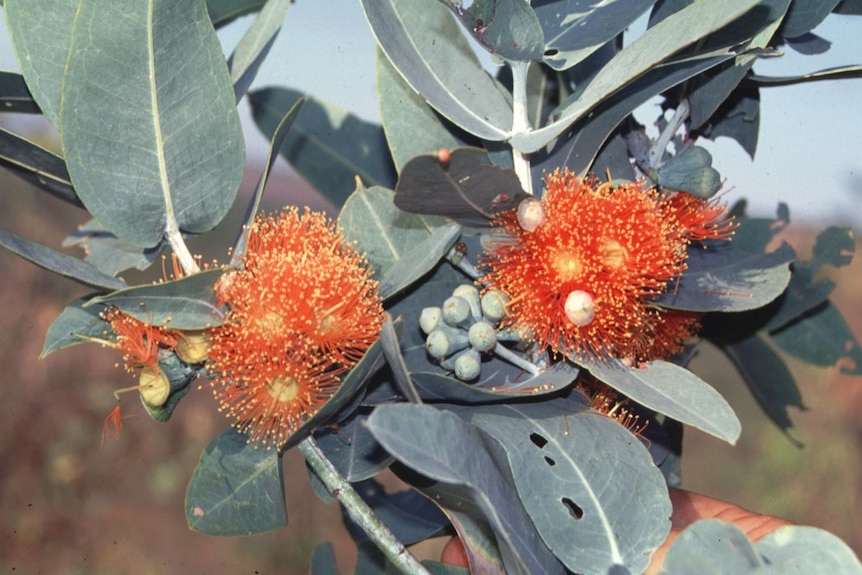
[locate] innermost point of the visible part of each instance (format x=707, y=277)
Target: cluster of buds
x=463, y=329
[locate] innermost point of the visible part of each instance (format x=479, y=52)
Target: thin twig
x=679, y=117
x=521, y=122
x=359, y=511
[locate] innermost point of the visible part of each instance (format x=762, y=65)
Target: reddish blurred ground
x=68, y=508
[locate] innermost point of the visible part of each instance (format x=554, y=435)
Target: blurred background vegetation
x=67, y=507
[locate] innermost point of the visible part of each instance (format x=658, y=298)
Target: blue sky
x=810, y=148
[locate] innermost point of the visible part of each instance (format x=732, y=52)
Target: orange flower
x=138, y=341
x=302, y=310
x=581, y=268
x=698, y=218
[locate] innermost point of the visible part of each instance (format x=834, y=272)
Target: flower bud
x=467, y=365
x=579, y=308
x=494, y=305
x=531, y=214
x=444, y=341
x=193, y=346
x=429, y=319
x=471, y=296
x=456, y=311
x=154, y=387
x=482, y=336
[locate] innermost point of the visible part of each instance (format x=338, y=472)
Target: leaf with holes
x=602, y=502
x=441, y=446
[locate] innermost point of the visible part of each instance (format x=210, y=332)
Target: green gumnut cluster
x=462, y=329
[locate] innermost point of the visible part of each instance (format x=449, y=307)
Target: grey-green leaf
x=255, y=44
x=236, y=489
x=712, y=546
x=155, y=68
x=187, y=303
x=327, y=145
x=382, y=232
x=40, y=167
x=672, y=390
x=822, y=337
x=656, y=45
x=426, y=46
x=58, y=262
x=41, y=32
x=76, y=324
x=411, y=126
x=690, y=171
x=419, y=260
x=575, y=29
x=602, y=501
x=14, y=95
x=724, y=278
x=508, y=28
x=107, y=253
x=768, y=378
x=800, y=550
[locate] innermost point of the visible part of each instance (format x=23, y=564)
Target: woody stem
x=521, y=122
x=679, y=117
x=359, y=511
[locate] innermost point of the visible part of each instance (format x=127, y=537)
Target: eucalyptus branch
x=521, y=122
x=680, y=115
x=359, y=511
x=175, y=238
x=506, y=354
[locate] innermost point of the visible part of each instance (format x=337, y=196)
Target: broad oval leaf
x=327, y=145
x=722, y=277
x=41, y=32
x=574, y=29
x=690, y=171
x=352, y=384
x=800, y=549
x=108, y=253
x=467, y=188
x=440, y=387
x=185, y=303
x=419, y=260
x=822, y=337
x=155, y=68
x=602, y=501
x=236, y=489
x=712, y=546
x=59, y=263
x=426, y=46
x=352, y=449
x=672, y=390
x=508, y=28
x=75, y=324
x=411, y=126
x=441, y=446
x=384, y=233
